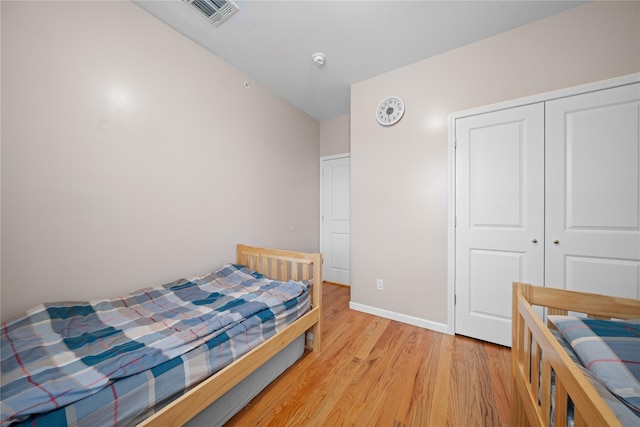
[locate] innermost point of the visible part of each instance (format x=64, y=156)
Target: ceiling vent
x=216, y=11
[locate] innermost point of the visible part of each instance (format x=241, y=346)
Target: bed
x=269, y=299
x=549, y=387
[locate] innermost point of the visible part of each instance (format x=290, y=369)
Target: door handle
x=534, y=240
x=556, y=242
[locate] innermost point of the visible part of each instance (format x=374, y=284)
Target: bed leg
x=317, y=343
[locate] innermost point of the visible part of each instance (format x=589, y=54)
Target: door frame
x=323, y=159
x=451, y=181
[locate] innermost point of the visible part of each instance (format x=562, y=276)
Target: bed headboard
x=287, y=265
x=280, y=264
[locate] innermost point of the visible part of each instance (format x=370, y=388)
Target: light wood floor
x=378, y=372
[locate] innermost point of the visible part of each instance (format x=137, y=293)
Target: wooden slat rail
x=536, y=354
x=276, y=264
x=563, y=300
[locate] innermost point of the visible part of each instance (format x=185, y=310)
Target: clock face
x=390, y=111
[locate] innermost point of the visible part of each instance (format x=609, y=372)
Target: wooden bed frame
x=535, y=353
x=275, y=264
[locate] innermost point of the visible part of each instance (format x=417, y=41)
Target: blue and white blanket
x=60, y=353
x=610, y=350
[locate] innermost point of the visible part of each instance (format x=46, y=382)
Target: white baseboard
x=404, y=318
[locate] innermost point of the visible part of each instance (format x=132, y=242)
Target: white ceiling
x=273, y=41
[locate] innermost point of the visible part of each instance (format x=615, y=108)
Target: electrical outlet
x=379, y=284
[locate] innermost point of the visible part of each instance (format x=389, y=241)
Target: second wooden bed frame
x=536, y=352
x=275, y=264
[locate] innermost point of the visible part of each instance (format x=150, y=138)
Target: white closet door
x=499, y=215
x=593, y=192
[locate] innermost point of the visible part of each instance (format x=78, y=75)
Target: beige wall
x=334, y=136
x=399, y=174
x=132, y=157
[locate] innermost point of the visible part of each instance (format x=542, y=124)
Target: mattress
x=578, y=333
x=131, y=396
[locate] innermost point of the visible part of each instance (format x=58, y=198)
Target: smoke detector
x=216, y=11
x=318, y=59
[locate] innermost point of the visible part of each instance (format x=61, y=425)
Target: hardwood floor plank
x=372, y=384
x=482, y=377
x=439, y=402
x=378, y=372
x=410, y=384
x=408, y=375
x=375, y=329
x=472, y=397
x=500, y=374
x=316, y=387
x=341, y=400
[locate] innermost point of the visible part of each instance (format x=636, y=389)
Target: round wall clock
x=390, y=111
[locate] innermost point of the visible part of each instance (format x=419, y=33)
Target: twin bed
x=550, y=384
x=162, y=355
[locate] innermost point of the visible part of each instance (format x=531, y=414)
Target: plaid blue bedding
x=59, y=354
x=610, y=350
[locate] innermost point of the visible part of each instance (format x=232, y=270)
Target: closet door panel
x=588, y=274
x=500, y=216
x=592, y=201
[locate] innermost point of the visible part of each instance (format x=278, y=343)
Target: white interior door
x=593, y=192
x=499, y=216
x=336, y=220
